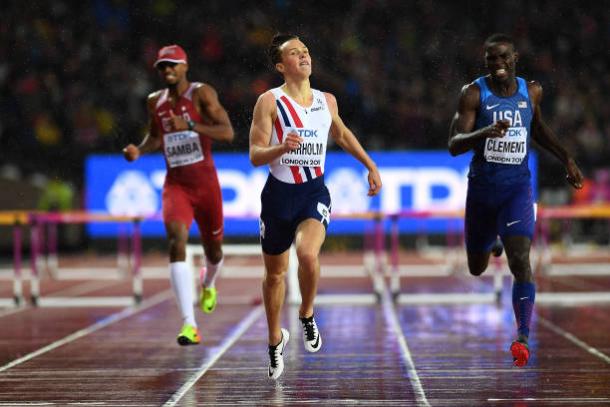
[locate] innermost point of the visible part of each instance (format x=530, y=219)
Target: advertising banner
x=421, y=180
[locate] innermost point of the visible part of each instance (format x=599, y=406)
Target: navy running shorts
x=284, y=206
x=504, y=210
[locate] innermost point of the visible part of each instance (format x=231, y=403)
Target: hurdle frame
x=39, y=220
x=372, y=266
x=17, y=219
x=543, y=263
x=426, y=270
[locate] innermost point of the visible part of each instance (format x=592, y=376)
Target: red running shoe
x=520, y=352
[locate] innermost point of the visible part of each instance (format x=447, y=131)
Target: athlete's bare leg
x=177, y=234
x=213, y=251
x=310, y=235
x=274, y=291
x=518, y=254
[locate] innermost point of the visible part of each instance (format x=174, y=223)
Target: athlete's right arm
x=260, y=133
x=152, y=140
x=461, y=136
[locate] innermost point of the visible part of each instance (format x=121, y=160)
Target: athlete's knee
x=215, y=257
x=274, y=277
x=177, y=248
x=476, y=270
x=213, y=253
x=518, y=255
x=519, y=265
x=308, y=259
x=477, y=266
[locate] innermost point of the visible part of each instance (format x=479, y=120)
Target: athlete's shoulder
x=204, y=91
x=331, y=100
x=267, y=97
x=472, y=88
x=534, y=85
x=154, y=96
x=534, y=88
x=329, y=96
x=202, y=87
x=470, y=94
x=266, y=104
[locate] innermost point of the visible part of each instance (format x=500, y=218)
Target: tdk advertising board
x=423, y=180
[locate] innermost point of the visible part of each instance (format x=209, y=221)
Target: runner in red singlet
x=184, y=119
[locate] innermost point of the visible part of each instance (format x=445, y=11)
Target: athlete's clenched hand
x=177, y=123
x=374, y=182
x=131, y=152
x=292, y=141
x=497, y=129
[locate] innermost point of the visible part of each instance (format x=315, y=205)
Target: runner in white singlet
x=289, y=131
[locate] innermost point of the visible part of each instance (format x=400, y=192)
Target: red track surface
x=455, y=355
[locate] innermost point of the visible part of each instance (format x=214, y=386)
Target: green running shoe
x=208, y=299
x=189, y=335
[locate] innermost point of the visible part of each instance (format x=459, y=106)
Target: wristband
x=190, y=124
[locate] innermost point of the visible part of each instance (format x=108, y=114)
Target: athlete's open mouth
x=501, y=72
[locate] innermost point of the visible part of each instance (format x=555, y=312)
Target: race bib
x=311, y=152
x=182, y=148
x=510, y=149
x=307, y=155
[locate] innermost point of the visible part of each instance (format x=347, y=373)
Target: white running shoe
x=276, y=356
x=311, y=336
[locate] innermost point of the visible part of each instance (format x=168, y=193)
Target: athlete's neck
x=300, y=91
x=179, y=88
x=503, y=88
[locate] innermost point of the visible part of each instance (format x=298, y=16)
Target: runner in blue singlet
x=497, y=116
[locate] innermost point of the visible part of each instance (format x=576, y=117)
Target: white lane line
x=76, y=290
x=82, y=288
x=127, y=312
x=44, y=403
x=573, y=339
x=238, y=331
x=14, y=310
x=558, y=399
x=390, y=314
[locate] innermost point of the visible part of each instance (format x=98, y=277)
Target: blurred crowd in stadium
x=74, y=75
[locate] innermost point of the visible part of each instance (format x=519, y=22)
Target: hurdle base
x=10, y=302
x=87, y=301
x=572, y=298
x=353, y=299
x=446, y=298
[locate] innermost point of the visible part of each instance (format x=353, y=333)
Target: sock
x=211, y=272
x=182, y=283
x=524, y=295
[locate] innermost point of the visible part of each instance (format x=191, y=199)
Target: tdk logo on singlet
x=172, y=138
x=515, y=132
x=307, y=132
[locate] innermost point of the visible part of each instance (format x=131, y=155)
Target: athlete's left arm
x=545, y=137
x=348, y=142
x=218, y=126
